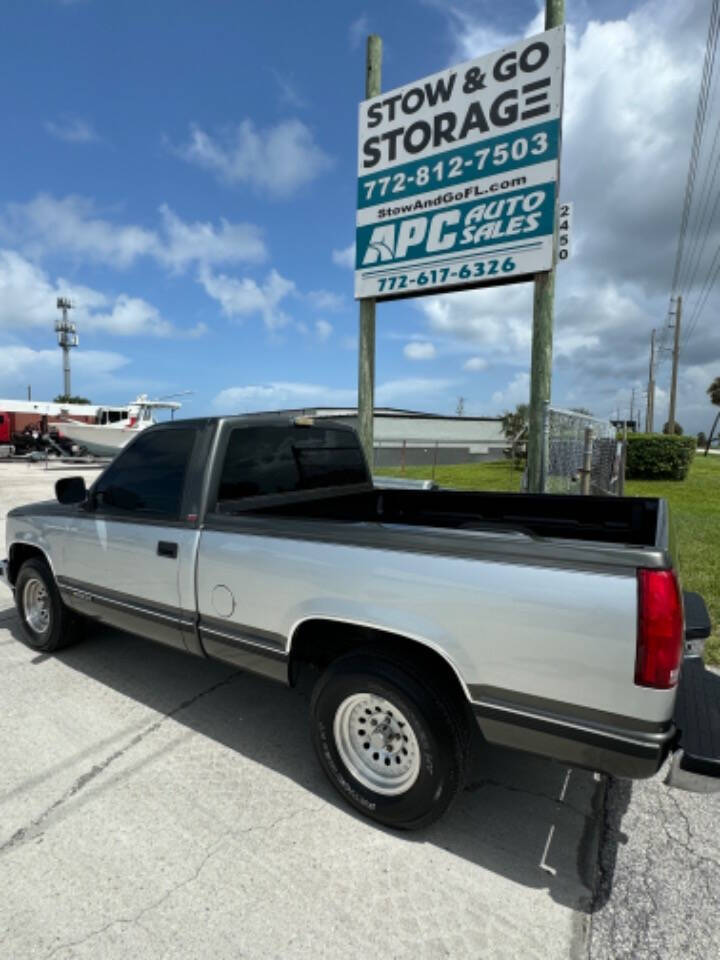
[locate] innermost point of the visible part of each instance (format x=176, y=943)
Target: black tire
x=438, y=726
x=59, y=627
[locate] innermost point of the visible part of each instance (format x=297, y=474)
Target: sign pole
x=542, y=337
x=366, y=339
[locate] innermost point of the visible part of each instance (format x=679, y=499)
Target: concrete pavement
x=160, y=806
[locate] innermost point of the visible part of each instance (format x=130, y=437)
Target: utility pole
x=632, y=404
x=676, y=358
x=67, y=338
x=542, y=335
x=650, y=410
x=366, y=339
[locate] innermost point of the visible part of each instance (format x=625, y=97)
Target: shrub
x=656, y=456
x=678, y=429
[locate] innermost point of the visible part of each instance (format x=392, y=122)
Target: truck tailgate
x=696, y=764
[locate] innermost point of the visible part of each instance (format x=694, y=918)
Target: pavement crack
x=488, y=782
x=36, y=826
x=686, y=844
x=135, y=919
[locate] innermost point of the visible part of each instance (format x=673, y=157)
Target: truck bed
x=632, y=521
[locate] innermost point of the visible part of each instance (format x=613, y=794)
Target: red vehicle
x=27, y=425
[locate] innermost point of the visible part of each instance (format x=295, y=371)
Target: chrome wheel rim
x=36, y=605
x=377, y=744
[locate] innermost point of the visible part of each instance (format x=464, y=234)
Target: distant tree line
x=69, y=398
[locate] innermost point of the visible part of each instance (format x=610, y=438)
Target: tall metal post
x=67, y=338
x=586, y=482
x=366, y=339
x=650, y=413
x=676, y=358
x=542, y=336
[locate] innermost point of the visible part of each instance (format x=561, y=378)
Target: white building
x=407, y=437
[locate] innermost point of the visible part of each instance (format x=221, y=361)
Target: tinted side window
x=267, y=460
x=148, y=478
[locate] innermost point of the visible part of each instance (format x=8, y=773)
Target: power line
x=704, y=205
x=682, y=265
x=700, y=112
x=713, y=274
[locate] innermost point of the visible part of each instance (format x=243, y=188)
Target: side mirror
x=71, y=490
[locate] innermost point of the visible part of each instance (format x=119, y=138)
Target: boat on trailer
x=114, y=426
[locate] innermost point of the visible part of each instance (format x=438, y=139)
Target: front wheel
x=390, y=742
x=47, y=623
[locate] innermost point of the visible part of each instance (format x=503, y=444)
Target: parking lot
x=156, y=805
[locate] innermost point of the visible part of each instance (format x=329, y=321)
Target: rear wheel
x=47, y=623
x=391, y=741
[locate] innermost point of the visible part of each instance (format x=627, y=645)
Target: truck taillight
x=660, y=629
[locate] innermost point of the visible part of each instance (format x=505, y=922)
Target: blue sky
x=185, y=171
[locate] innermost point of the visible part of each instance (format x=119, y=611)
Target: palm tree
x=713, y=392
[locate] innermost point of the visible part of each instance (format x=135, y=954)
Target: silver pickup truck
x=554, y=624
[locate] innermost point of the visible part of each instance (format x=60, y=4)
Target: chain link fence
x=583, y=454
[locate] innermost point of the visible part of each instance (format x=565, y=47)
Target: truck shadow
x=532, y=821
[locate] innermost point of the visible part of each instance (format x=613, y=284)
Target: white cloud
x=288, y=91
x=630, y=96
x=23, y=362
x=282, y=394
x=277, y=159
x=27, y=299
x=498, y=319
x=132, y=316
x=245, y=297
x=326, y=300
x=102, y=375
x=71, y=227
x=517, y=391
x=419, y=390
x=71, y=129
x=419, y=350
x=323, y=330
x=475, y=363
x=359, y=30
x=279, y=395
x=474, y=37
x=201, y=242
x=344, y=257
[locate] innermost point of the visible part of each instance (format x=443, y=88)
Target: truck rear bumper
x=621, y=746
x=579, y=743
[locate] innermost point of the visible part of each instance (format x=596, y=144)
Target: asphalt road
x=159, y=806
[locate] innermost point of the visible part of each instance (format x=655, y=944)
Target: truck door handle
x=167, y=549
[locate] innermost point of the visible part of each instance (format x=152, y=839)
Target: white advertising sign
x=457, y=174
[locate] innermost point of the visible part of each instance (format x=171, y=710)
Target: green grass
x=694, y=505
x=465, y=476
